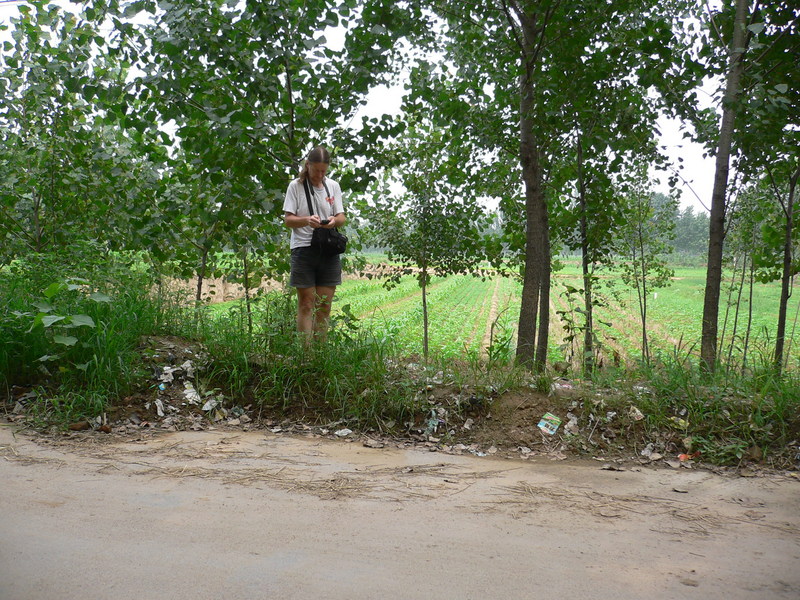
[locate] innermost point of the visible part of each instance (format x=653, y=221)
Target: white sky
x=697, y=170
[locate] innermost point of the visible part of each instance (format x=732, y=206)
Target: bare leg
x=322, y=310
x=306, y=298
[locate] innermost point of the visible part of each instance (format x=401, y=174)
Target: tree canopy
x=172, y=129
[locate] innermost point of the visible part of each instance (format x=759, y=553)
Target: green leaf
x=43, y=307
x=99, y=297
x=49, y=320
x=756, y=28
x=66, y=340
x=54, y=289
x=81, y=321
x=782, y=88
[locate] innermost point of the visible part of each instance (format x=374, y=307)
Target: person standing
x=313, y=275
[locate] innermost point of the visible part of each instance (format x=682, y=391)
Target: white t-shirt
x=296, y=204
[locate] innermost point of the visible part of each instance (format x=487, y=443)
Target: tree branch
x=511, y=24
x=777, y=191
x=714, y=24
x=21, y=234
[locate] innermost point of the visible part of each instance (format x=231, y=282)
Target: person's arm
x=291, y=219
x=338, y=220
x=294, y=221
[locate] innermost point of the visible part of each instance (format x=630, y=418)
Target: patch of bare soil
x=276, y=515
x=216, y=290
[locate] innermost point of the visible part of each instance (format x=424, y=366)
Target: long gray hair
x=318, y=155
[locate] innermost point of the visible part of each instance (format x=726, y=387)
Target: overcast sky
x=697, y=171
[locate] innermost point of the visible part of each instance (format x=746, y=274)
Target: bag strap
x=308, y=194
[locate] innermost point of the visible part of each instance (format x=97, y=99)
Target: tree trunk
x=588, y=327
x=643, y=305
x=38, y=232
x=752, y=281
x=736, y=311
x=791, y=337
x=639, y=270
x=786, y=279
x=542, y=342
x=425, y=312
x=248, y=307
x=716, y=234
x=728, y=305
x=535, y=211
x=201, y=274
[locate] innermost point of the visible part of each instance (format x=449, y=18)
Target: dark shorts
x=310, y=269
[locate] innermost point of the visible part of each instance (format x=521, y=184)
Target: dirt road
x=237, y=515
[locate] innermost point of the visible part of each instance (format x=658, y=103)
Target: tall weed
x=726, y=413
x=71, y=336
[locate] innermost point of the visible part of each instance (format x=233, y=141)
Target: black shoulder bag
x=329, y=242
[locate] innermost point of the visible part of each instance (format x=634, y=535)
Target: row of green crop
x=675, y=315
x=451, y=333
x=368, y=300
x=366, y=296
x=443, y=302
x=458, y=307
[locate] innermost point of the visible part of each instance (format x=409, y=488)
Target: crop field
x=467, y=315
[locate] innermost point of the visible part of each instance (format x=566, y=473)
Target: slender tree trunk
x=708, y=344
x=786, y=279
x=749, y=315
x=295, y=160
x=534, y=258
x=201, y=274
x=248, y=307
x=643, y=295
x=588, y=330
x=38, y=232
x=728, y=304
x=542, y=342
x=736, y=312
x=791, y=337
x=425, y=312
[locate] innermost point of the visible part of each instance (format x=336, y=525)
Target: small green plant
x=64, y=406
x=500, y=337
x=74, y=339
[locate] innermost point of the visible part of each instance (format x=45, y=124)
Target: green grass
x=361, y=375
x=676, y=312
x=74, y=338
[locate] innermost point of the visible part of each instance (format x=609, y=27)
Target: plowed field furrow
x=452, y=326
x=388, y=304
